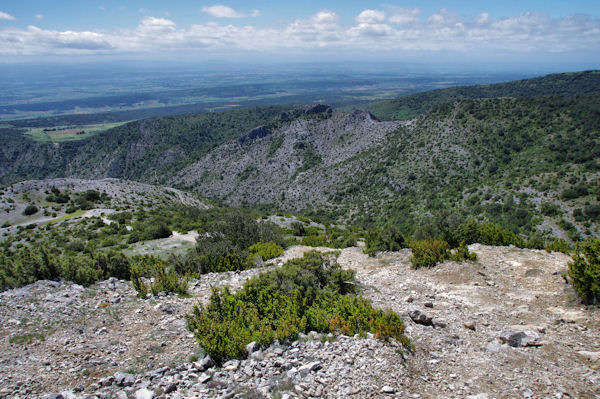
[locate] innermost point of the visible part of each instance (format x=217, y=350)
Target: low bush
x=558, y=245
x=27, y=265
x=584, y=271
x=304, y=295
x=461, y=253
x=473, y=232
x=428, y=252
x=266, y=250
x=387, y=239
x=163, y=278
x=550, y=209
x=30, y=210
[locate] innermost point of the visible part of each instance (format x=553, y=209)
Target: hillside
x=562, y=84
x=502, y=159
x=148, y=150
x=525, y=159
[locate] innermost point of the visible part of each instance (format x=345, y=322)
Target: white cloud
x=482, y=18
x=443, y=17
x=6, y=16
x=39, y=16
x=370, y=17
x=403, y=16
x=221, y=11
x=370, y=32
x=33, y=41
x=320, y=30
x=151, y=24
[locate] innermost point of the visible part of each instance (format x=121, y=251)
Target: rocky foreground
x=506, y=326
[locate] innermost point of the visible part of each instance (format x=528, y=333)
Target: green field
x=58, y=134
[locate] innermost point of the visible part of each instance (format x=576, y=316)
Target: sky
x=536, y=31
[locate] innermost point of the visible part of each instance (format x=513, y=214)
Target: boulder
x=252, y=347
x=124, y=379
x=420, y=318
x=144, y=394
x=512, y=338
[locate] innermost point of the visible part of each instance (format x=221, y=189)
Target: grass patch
x=26, y=339
x=68, y=216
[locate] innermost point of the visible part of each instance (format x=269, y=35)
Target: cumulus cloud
x=443, y=17
x=221, y=11
x=370, y=17
x=482, y=18
x=404, y=16
x=33, y=41
x=151, y=24
x=371, y=30
x=39, y=16
x=6, y=16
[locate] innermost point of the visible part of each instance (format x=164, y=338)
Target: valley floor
x=506, y=326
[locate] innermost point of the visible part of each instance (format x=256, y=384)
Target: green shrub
x=30, y=210
x=160, y=230
x=575, y=192
x=592, y=212
x=27, y=265
x=266, y=250
x=428, y=252
x=387, y=239
x=314, y=240
x=462, y=253
x=163, y=278
x=80, y=269
x=558, y=245
x=584, y=271
x=550, y=209
x=166, y=279
x=535, y=241
x=473, y=232
x=305, y=294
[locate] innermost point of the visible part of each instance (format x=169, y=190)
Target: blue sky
x=523, y=31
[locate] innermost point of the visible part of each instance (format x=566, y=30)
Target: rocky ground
x=123, y=193
x=506, y=326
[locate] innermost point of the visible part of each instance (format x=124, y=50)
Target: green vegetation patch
x=431, y=251
x=274, y=145
x=266, y=250
x=584, y=271
x=26, y=339
x=164, y=278
x=307, y=294
x=58, y=134
x=388, y=238
x=73, y=215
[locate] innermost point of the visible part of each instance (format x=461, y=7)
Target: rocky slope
x=506, y=326
x=300, y=163
x=121, y=194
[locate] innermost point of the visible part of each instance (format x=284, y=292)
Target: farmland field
x=57, y=134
